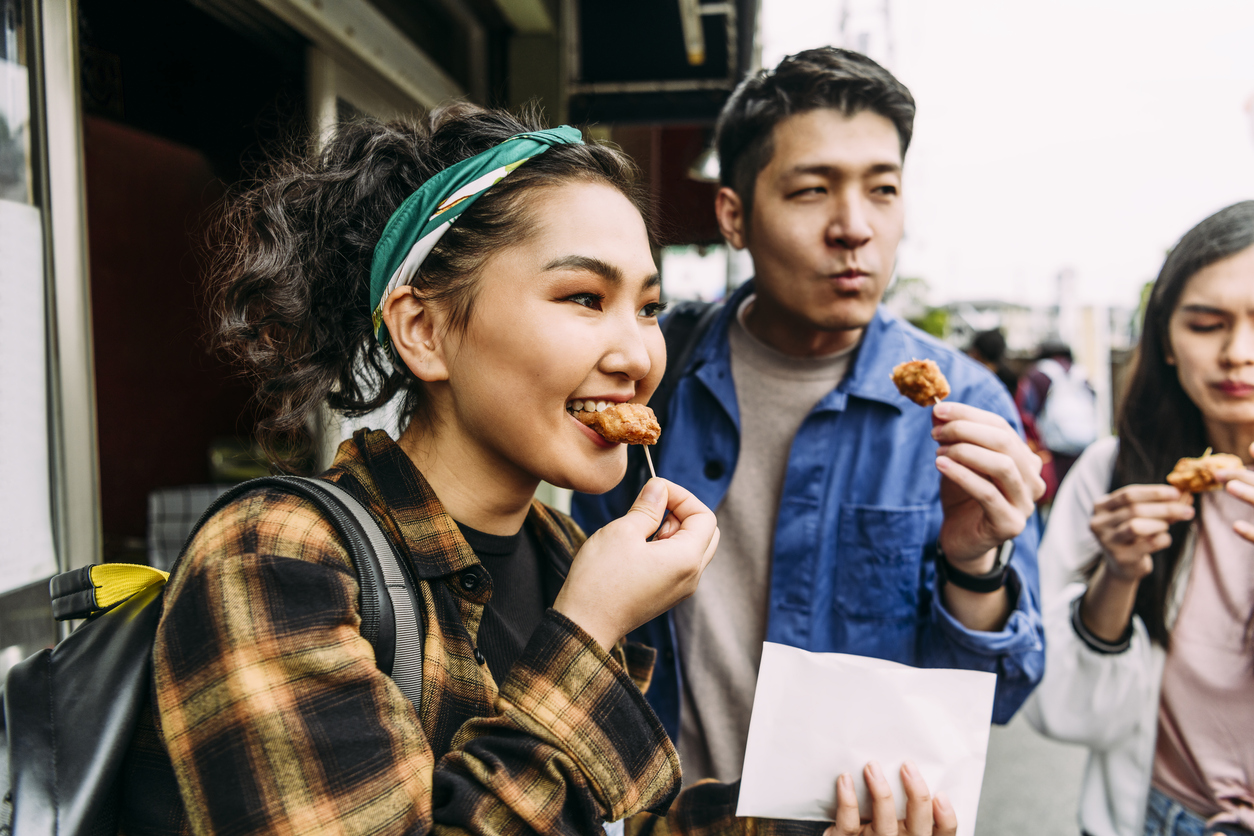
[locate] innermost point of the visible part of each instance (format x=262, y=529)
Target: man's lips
x=1235, y=388
x=849, y=280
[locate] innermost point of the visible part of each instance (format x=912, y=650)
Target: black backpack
x=69, y=711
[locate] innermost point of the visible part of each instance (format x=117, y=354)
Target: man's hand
x=989, y=486
x=925, y=815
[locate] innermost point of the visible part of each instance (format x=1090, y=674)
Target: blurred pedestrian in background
x=1055, y=398
x=1149, y=593
x=989, y=348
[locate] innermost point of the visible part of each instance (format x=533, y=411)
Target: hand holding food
x=991, y=482
x=620, y=578
x=1199, y=475
x=921, y=381
x=1131, y=524
x=623, y=423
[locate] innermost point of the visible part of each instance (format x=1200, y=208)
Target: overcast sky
x=1081, y=134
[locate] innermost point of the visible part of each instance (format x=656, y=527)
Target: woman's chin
x=594, y=480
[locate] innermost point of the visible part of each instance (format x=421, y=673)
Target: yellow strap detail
x=116, y=582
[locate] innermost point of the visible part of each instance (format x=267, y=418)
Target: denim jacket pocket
x=879, y=551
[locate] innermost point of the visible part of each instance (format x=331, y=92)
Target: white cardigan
x=1105, y=701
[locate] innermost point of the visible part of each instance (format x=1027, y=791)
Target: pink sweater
x=1205, y=751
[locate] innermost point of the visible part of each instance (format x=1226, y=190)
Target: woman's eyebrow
x=604, y=269
x=1202, y=309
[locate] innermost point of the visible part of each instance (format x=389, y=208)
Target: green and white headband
x=415, y=227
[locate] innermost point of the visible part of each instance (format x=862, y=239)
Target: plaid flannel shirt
x=271, y=717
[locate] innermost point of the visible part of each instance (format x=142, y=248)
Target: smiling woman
x=491, y=273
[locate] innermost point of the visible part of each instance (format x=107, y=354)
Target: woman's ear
x=415, y=328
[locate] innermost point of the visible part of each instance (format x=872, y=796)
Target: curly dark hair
x=841, y=79
x=290, y=279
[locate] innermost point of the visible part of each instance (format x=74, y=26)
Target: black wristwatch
x=988, y=582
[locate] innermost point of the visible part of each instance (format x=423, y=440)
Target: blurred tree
x=935, y=321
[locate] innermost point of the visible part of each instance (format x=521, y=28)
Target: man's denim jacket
x=852, y=568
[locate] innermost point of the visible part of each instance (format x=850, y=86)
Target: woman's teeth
x=587, y=406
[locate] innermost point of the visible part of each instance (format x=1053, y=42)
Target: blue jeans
x=1167, y=817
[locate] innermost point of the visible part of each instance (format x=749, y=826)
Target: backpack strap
x=402, y=592
x=389, y=599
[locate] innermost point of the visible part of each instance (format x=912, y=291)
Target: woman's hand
x=1131, y=524
x=620, y=579
x=925, y=815
x=1240, y=483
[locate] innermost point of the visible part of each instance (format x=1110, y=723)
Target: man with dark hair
x=852, y=519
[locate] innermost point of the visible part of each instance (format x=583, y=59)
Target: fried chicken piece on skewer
x=623, y=423
x=1198, y=475
x=921, y=381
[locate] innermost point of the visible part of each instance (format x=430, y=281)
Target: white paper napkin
x=816, y=715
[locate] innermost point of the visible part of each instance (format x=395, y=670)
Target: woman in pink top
x=1149, y=592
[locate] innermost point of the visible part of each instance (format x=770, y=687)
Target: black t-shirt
x=524, y=585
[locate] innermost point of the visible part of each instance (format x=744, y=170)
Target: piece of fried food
x=921, y=381
x=623, y=423
x=1198, y=475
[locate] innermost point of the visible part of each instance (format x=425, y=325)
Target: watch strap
x=988, y=582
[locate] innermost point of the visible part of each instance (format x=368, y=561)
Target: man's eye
x=885, y=190
x=588, y=300
x=652, y=310
x=808, y=191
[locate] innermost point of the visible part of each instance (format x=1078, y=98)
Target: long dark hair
x=1158, y=424
x=291, y=271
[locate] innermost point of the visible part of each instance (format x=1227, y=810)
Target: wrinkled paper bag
x=816, y=715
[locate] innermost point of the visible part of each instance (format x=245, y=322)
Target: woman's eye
x=1204, y=327
x=652, y=310
x=588, y=300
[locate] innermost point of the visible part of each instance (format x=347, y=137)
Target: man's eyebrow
x=824, y=170
x=591, y=264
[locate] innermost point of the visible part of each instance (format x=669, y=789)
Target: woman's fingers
x=1130, y=495
x=1244, y=529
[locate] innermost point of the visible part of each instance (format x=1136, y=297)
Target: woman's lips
x=591, y=433
x=1235, y=388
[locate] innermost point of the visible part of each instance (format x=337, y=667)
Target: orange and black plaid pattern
x=271, y=717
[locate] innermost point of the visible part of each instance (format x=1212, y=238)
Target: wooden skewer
x=649, y=459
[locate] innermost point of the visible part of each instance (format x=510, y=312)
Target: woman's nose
x=628, y=353
x=1239, y=350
